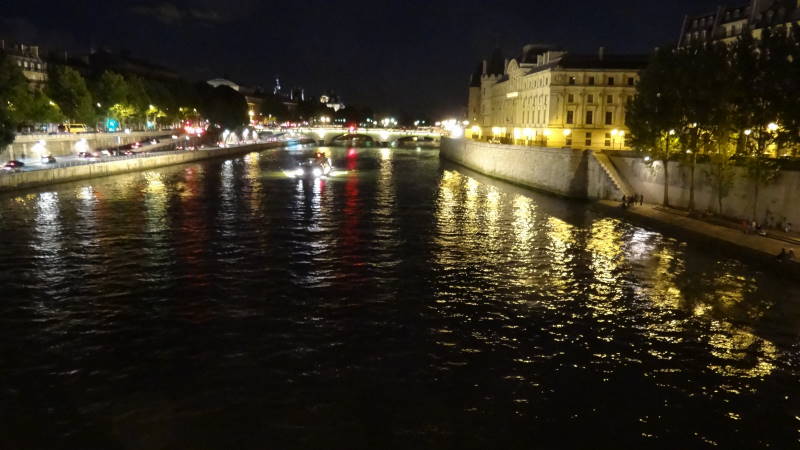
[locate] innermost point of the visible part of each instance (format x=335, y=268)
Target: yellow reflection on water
x=740, y=352
x=253, y=177
x=560, y=239
x=605, y=246
x=155, y=201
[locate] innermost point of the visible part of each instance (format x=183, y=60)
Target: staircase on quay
x=608, y=167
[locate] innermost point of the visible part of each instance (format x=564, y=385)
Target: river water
x=402, y=303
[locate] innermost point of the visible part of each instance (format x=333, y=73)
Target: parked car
x=13, y=166
x=48, y=159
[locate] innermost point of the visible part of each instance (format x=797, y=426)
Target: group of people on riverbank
x=753, y=227
x=632, y=200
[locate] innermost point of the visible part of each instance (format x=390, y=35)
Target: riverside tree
x=724, y=101
x=68, y=90
x=653, y=112
x=756, y=102
x=225, y=107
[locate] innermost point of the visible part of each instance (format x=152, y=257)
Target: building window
x=609, y=118
x=570, y=98
x=568, y=141
x=609, y=99
x=607, y=142
x=570, y=117
x=630, y=81
x=588, y=141
x=590, y=99
x=571, y=80
x=591, y=81
x=610, y=81
x=589, y=117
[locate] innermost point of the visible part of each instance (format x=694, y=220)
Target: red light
x=351, y=153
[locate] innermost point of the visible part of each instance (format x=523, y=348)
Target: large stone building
x=28, y=59
x=728, y=22
x=549, y=97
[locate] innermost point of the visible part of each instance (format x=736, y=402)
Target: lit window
x=571, y=80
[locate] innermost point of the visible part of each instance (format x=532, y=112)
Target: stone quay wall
x=37, y=178
x=777, y=201
x=567, y=172
x=576, y=174
x=64, y=144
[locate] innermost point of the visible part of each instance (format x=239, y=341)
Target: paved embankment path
x=764, y=248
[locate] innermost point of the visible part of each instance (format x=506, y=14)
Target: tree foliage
x=225, y=107
x=724, y=102
x=68, y=90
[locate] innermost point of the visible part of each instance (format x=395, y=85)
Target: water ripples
x=402, y=303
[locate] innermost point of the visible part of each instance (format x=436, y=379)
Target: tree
x=68, y=90
x=654, y=113
x=7, y=126
x=111, y=89
x=43, y=110
x=702, y=86
x=163, y=100
x=757, y=102
x=14, y=91
x=225, y=107
x=138, y=97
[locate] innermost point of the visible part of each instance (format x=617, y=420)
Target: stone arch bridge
x=382, y=136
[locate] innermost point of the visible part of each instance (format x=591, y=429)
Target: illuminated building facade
x=727, y=23
x=28, y=60
x=548, y=97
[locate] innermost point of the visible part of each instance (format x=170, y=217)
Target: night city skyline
x=373, y=54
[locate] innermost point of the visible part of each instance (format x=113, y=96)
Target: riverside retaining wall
x=576, y=174
x=64, y=144
x=779, y=200
x=563, y=171
x=35, y=178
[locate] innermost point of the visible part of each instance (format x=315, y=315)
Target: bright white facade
x=552, y=98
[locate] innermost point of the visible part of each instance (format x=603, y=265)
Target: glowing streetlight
x=748, y=132
x=772, y=126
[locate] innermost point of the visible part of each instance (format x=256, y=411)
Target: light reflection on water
x=419, y=301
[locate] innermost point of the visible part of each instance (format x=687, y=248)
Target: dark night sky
x=408, y=55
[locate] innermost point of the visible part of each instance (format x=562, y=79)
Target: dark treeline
x=128, y=98
x=731, y=105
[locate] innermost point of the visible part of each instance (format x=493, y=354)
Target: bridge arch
x=352, y=139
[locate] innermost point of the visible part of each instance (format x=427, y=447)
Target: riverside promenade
x=762, y=248
x=118, y=165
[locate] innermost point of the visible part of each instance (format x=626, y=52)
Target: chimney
x=601, y=52
x=35, y=51
x=484, y=66
x=505, y=66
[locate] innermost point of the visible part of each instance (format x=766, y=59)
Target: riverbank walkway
x=767, y=247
